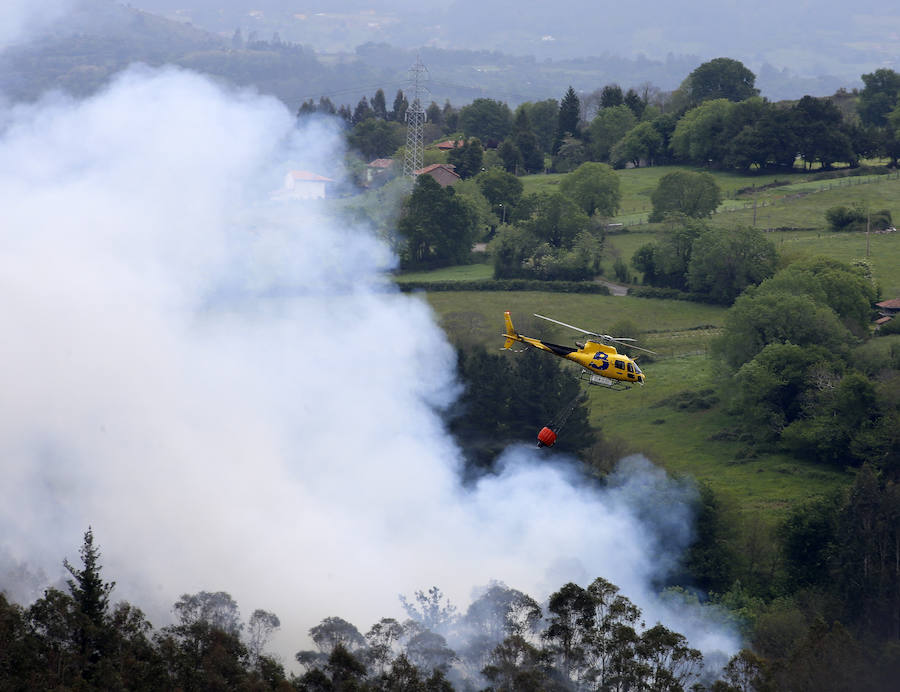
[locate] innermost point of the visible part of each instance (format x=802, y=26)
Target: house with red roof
x=888, y=310
x=305, y=185
x=444, y=173
x=379, y=168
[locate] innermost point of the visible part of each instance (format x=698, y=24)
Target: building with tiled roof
x=305, y=185
x=443, y=173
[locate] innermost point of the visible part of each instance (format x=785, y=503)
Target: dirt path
x=614, y=288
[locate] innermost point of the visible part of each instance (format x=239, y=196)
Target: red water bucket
x=546, y=437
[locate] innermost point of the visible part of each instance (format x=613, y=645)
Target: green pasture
x=883, y=252
x=462, y=272
x=683, y=441
x=799, y=201
x=476, y=317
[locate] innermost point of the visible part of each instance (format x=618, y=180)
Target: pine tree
x=91, y=599
x=569, y=115
x=398, y=112
x=379, y=105
x=526, y=142
x=89, y=591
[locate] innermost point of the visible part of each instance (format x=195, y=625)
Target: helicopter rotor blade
x=577, y=329
x=645, y=350
x=606, y=337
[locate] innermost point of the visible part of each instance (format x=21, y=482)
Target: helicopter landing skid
x=600, y=381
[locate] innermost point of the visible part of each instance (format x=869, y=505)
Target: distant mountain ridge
x=79, y=53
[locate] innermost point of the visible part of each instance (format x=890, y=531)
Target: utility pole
x=868, y=217
x=415, y=120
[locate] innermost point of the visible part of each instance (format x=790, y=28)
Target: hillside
x=79, y=53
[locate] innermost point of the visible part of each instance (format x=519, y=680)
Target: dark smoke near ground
x=224, y=389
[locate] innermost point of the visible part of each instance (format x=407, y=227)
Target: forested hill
x=101, y=37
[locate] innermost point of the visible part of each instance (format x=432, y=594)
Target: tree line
x=715, y=118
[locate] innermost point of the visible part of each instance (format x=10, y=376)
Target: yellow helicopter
x=601, y=363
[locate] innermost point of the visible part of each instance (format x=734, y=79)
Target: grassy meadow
x=659, y=419
x=651, y=419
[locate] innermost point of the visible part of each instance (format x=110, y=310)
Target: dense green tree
x=434, y=114
x=570, y=621
x=761, y=317
x=641, y=144
x=502, y=190
x=699, y=135
x=594, y=187
x=611, y=96
x=818, y=125
x=711, y=560
x=375, y=139
x=544, y=118
x=837, y=414
x=635, y=102
x=610, y=643
x=867, y=554
x=665, y=262
x=608, y=127
x=720, y=78
x=90, y=596
x=437, y=226
x=515, y=665
x=398, y=110
x=878, y=97
x=664, y=124
x=694, y=194
x=554, y=219
x=771, y=387
x=344, y=669
x=567, y=124
x=527, y=143
x=769, y=141
x=570, y=154
x=379, y=105
x=486, y=119
x=362, y=111
x=668, y=662
x=724, y=262
x=467, y=158
x=511, y=156
x=842, y=287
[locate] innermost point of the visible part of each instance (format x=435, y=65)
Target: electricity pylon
x=415, y=120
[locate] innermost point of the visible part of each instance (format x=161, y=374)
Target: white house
x=305, y=185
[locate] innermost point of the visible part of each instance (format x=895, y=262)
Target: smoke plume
x=225, y=389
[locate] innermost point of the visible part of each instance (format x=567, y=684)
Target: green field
x=671, y=326
x=463, y=272
x=679, y=440
x=649, y=419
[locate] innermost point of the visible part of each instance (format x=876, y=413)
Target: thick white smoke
x=224, y=389
x=20, y=19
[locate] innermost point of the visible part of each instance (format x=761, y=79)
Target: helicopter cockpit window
x=637, y=369
x=630, y=368
x=620, y=364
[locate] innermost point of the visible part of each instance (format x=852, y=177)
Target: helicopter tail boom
x=511, y=335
